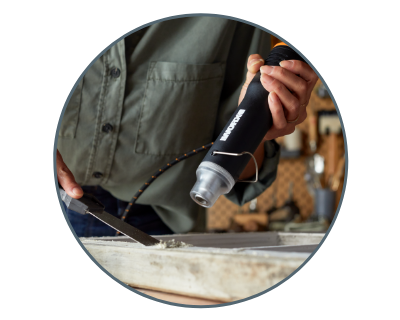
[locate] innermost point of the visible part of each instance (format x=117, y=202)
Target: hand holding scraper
x=88, y=204
x=83, y=203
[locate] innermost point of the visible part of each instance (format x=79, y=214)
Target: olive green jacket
x=159, y=93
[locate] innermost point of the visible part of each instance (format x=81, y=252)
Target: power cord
x=158, y=173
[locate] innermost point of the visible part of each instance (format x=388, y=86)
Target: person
x=160, y=92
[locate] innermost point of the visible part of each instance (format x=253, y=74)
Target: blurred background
x=309, y=183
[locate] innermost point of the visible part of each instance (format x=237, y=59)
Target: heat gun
x=243, y=133
x=226, y=160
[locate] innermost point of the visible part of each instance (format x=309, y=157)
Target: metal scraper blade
x=125, y=228
x=89, y=204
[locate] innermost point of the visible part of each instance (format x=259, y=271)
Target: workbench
x=217, y=268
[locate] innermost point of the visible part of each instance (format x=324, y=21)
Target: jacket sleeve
x=247, y=40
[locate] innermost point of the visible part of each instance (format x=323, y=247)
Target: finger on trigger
x=301, y=68
x=291, y=81
x=278, y=115
x=289, y=102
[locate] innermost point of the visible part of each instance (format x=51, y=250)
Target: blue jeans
x=142, y=217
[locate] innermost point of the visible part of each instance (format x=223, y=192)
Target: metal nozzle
x=199, y=199
x=212, y=182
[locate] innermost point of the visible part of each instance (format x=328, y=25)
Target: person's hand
x=66, y=179
x=290, y=87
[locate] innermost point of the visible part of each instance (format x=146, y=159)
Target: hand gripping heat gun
x=228, y=156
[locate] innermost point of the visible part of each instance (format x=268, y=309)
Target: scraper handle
x=88, y=203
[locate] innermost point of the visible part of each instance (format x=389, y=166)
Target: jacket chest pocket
x=70, y=118
x=179, y=107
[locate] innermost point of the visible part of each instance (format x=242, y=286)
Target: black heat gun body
x=217, y=173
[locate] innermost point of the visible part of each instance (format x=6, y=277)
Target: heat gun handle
x=251, y=120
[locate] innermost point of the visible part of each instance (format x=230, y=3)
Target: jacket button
x=97, y=175
x=115, y=72
x=107, y=128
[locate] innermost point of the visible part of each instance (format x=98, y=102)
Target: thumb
x=66, y=179
x=254, y=63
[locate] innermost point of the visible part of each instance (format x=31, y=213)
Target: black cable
x=157, y=174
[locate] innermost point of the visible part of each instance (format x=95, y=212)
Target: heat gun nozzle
x=199, y=199
x=212, y=182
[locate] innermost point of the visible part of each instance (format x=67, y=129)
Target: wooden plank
x=238, y=266
x=220, y=274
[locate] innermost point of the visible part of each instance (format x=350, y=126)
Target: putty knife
x=88, y=204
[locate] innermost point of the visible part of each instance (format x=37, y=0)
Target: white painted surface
x=236, y=267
